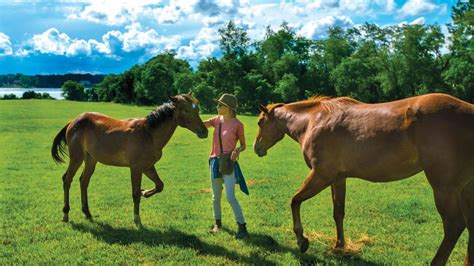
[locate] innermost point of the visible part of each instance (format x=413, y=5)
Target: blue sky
x=57, y=37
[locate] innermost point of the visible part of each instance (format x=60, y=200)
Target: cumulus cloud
x=307, y=7
x=202, y=46
x=210, y=12
x=418, y=21
x=134, y=39
x=417, y=7
x=114, y=43
x=118, y=13
x=126, y=12
x=317, y=29
x=51, y=42
x=5, y=45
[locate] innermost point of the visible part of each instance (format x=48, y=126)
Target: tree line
x=46, y=81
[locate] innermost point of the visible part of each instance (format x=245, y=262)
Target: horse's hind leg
x=136, y=175
x=312, y=185
x=448, y=205
x=153, y=175
x=338, y=190
x=467, y=206
x=89, y=168
x=74, y=164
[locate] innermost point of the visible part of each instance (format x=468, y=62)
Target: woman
x=231, y=130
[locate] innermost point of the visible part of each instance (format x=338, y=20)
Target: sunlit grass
x=387, y=223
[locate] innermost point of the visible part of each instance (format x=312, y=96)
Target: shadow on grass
x=173, y=237
x=268, y=243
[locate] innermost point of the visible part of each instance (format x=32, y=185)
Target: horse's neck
x=295, y=123
x=162, y=133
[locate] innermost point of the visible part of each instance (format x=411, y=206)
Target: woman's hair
x=232, y=113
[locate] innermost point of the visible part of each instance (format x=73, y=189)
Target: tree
x=356, y=78
x=234, y=41
x=73, y=91
x=155, y=85
x=460, y=73
x=287, y=89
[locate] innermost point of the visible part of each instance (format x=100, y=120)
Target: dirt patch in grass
x=352, y=248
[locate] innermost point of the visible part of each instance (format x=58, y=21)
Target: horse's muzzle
x=202, y=133
x=259, y=151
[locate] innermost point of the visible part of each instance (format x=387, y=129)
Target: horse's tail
x=58, y=149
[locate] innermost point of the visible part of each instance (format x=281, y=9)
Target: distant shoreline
x=18, y=91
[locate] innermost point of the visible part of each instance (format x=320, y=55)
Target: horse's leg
x=75, y=162
x=467, y=206
x=136, y=174
x=153, y=175
x=312, y=185
x=338, y=190
x=89, y=168
x=448, y=205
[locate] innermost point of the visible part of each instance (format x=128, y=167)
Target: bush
x=10, y=96
x=31, y=95
x=73, y=91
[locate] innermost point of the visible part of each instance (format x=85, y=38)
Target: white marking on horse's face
x=194, y=106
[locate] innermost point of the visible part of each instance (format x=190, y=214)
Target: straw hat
x=228, y=100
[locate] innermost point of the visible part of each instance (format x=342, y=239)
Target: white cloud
x=113, y=14
x=79, y=47
x=114, y=43
x=126, y=12
x=134, y=39
x=205, y=43
x=418, y=21
x=316, y=29
x=5, y=45
x=417, y=7
x=208, y=12
x=51, y=42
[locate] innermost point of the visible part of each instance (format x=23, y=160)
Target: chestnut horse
x=135, y=143
x=384, y=142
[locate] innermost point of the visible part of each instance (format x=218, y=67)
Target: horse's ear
x=190, y=93
x=263, y=109
x=173, y=99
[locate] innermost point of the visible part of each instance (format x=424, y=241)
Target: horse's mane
x=329, y=104
x=160, y=114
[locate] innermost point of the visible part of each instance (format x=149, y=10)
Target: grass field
x=386, y=223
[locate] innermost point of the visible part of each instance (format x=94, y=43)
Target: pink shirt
x=231, y=130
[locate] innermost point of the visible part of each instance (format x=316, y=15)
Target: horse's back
x=394, y=140
x=104, y=138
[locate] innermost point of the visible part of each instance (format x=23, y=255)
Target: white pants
x=229, y=181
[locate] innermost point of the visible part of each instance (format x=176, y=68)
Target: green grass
x=397, y=221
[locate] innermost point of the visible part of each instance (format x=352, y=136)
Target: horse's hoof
x=139, y=225
x=303, y=244
x=65, y=218
x=340, y=245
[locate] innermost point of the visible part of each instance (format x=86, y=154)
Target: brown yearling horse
x=384, y=142
x=135, y=143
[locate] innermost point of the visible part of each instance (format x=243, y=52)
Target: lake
x=54, y=92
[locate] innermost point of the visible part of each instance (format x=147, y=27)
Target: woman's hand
x=235, y=154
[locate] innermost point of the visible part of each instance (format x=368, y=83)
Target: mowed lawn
x=386, y=223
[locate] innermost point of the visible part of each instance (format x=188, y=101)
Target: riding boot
x=216, y=228
x=242, y=231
